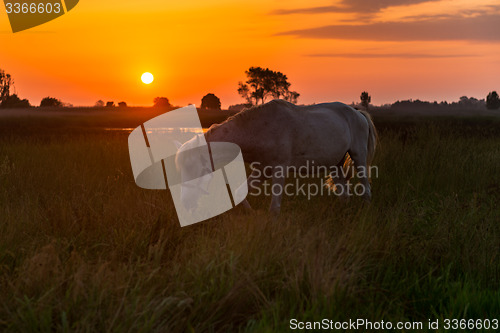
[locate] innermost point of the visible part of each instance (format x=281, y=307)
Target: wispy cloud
x=477, y=28
x=389, y=55
x=464, y=13
x=350, y=6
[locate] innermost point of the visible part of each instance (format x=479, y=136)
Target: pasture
x=83, y=249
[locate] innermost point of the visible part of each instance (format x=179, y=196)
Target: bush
x=50, y=102
x=161, y=102
x=13, y=101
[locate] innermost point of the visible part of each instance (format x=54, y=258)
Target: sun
x=147, y=78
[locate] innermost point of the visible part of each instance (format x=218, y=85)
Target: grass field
x=83, y=249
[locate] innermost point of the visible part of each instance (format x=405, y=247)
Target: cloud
x=351, y=6
x=389, y=55
x=477, y=28
x=484, y=10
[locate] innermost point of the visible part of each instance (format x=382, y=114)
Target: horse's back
x=320, y=132
x=279, y=132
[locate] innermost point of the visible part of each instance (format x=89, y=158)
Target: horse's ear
x=177, y=144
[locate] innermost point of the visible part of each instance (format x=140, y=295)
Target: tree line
x=492, y=102
x=261, y=85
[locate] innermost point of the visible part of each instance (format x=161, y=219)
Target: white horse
x=280, y=135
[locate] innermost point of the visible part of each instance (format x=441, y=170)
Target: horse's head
x=193, y=162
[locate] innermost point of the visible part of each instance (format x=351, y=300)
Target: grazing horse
x=280, y=135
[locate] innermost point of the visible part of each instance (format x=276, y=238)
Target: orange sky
x=330, y=50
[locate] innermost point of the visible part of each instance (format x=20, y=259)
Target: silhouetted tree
x=110, y=104
x=13, y=101
x=365, y=100
x=161, y=102
x=493, y=101
x=122, y=104
x=210, y=101
x=99, y=104
x=263, y=83
x=6, y=83
x=50, y=102
x=6, y=99
x=244, y=91
x=291, y=96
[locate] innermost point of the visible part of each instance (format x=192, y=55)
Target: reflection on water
x=163, y=130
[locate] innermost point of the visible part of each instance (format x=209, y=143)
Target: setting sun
x=147, y=78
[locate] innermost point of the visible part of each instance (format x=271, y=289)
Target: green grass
x=82, y=248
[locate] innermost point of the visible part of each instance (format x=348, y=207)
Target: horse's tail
x=348, y=165
x=372, y=137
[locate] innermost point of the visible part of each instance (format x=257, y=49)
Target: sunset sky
x=330, y=50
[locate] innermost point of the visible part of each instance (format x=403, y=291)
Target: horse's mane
x=244, y=116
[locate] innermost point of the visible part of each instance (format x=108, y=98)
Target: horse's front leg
x=277, y=189
x=253, y=182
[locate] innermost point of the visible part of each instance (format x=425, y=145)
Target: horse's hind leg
x=358, y=155
x=277, y=189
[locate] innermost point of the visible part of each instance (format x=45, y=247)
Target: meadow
x=83, y=249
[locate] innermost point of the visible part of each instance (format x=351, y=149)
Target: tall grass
x=82, y=248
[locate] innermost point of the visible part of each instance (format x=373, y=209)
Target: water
x=162, y=130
